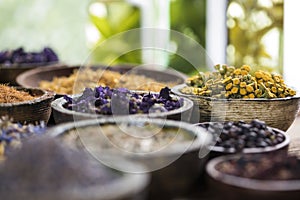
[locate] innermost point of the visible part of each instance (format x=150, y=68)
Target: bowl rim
x=200, y=139
x=125, y=183
x=283, y=144
x=28, y=65
x=137, y=182
x=176, y=90
x=46, y=95
x=248, y=183
x=57, y=105
x=24, y=75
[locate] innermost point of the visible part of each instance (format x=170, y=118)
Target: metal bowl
x=175, y=169
x=278, y=112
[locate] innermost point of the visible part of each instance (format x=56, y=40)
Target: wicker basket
x=278, y=113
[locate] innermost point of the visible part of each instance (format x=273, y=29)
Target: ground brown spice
x=12, y=95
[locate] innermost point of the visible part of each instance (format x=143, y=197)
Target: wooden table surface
x=294, y=133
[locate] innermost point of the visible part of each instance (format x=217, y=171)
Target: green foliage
x=247, y=31
x=187, y=17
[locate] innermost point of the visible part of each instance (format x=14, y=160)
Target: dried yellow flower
x=244, y=72
x=249, y=88
x=246, y=68
x=243, y=84
x=236, y=81
x=292, y=92
x=228, y=86
x=237, y=72
x=258, y=75
x=274, y=89
x=234, y=90
x=243, y=91
x=251, y=96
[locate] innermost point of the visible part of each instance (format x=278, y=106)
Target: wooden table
x=294, y=133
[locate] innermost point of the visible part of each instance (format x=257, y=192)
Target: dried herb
x=107, y=101
x=19, y=56
x=46, y=169
x=138, y=138
x=230, y=82
x=12, y=95
x=13, y=134
x=235, y=136
x=89, y=78
x=263, y=167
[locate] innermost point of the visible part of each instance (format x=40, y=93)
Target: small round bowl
x=235, y=187
x=278, y=112
x=33, y=77
x=39, y=109
x=175, y=168
x=61, y=114
x=9, y=73
x=216, y=151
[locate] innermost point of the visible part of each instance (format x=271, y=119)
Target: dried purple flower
x=106, y=101
x=19, y=56
x=12, y=134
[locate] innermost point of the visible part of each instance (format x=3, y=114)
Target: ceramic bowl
x=36, y=110
x=43, y=182
x=9, y=73
x=234, y=187
x=61, y=114
x=33, y=77
x=175, y=167
x=278, y=112
x=216, y=151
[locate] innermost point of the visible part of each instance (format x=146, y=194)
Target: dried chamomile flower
x=231, y=82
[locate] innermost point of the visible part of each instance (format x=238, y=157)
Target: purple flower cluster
x=107, y=101
x=12, y=134
x=19, y=56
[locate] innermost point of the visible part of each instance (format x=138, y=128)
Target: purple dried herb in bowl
x=106, y=102
x=16, y=61
x=20, y=56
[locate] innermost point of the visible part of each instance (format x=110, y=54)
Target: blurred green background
x=73, y=28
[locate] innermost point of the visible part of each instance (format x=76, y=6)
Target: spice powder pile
x=12, y=95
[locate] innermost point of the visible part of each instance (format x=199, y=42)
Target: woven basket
x=33, y=111
x=278, y=113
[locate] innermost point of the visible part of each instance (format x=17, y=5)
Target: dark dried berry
x=240, y=135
